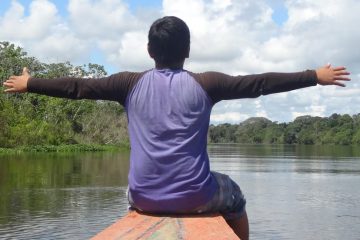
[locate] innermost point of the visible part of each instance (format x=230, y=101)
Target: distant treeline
x=31, y=119
x=336, y=129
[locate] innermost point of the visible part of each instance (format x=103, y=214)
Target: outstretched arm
x=114, y=87
x=221, y=86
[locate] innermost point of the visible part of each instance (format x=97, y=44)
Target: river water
x=292, y=192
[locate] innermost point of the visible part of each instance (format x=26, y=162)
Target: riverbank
x=64, y=148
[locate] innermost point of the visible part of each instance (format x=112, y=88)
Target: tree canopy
x=336, y=129
x=31, y=119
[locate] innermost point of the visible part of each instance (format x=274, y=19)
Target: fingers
x=9, y=87
x=25, y=71
x=10, y=90
x=339, y=68
x=339, y=73
x=339, y=84
x=12, y=79
x=342, y=78
x=9, y=81
x=17, y=84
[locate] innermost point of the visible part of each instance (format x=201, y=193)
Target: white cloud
x=236, y=37
x=59, y=47
x=15, y=25
x=132, y=54
x=222, y=32
x=43, y=33
x=111, y=27
x=101, y=19
x=230, y=117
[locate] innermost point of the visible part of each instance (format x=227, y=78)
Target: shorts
x=228, y=200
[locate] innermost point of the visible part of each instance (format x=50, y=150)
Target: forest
x=333, y=130
x=36, y=120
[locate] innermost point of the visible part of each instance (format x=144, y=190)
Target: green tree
x=31, y=119
x=252, y=130
x=274, y=133
x=336, y=129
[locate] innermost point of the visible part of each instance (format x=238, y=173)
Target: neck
x=179, y=65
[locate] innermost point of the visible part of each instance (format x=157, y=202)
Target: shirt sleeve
x=220, y=86
x=114, y=87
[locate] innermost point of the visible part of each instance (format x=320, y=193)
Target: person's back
x=169, y=114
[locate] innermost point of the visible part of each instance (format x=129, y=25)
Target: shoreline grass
x=71, y=148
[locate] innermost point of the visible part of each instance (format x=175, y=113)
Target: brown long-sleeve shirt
x=217, y=85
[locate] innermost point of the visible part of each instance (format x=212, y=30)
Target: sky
x=237, y=37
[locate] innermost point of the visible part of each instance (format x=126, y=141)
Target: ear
x=148, y=49
x=188, y=52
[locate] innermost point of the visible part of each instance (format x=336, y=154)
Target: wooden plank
x=183, y=227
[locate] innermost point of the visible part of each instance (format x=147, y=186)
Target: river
x=292, y=192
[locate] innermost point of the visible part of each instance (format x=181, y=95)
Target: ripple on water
x=81, y=215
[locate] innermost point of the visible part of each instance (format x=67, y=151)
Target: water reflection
x=285, y=151
x=296, y=192
x=63, y=170
x=293, y=192
x=45, y=196
x=286, y=158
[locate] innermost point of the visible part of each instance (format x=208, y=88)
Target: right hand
x=332, y=76
x=17, y=84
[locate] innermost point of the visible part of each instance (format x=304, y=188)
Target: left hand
x=332, y=76
x=17, y=84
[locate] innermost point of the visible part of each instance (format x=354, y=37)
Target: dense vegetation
x=336, y=129
x=31, y=119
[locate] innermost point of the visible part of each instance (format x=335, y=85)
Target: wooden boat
x=137, y=225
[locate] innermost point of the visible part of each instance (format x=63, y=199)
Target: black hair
x=169, y=40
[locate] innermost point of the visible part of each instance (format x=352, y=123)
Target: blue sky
x=62, y=5
x=235, y=37
x=280, y=12
x=279, y=16
x=96, y=55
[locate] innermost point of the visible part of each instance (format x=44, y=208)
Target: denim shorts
x=228, y=200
